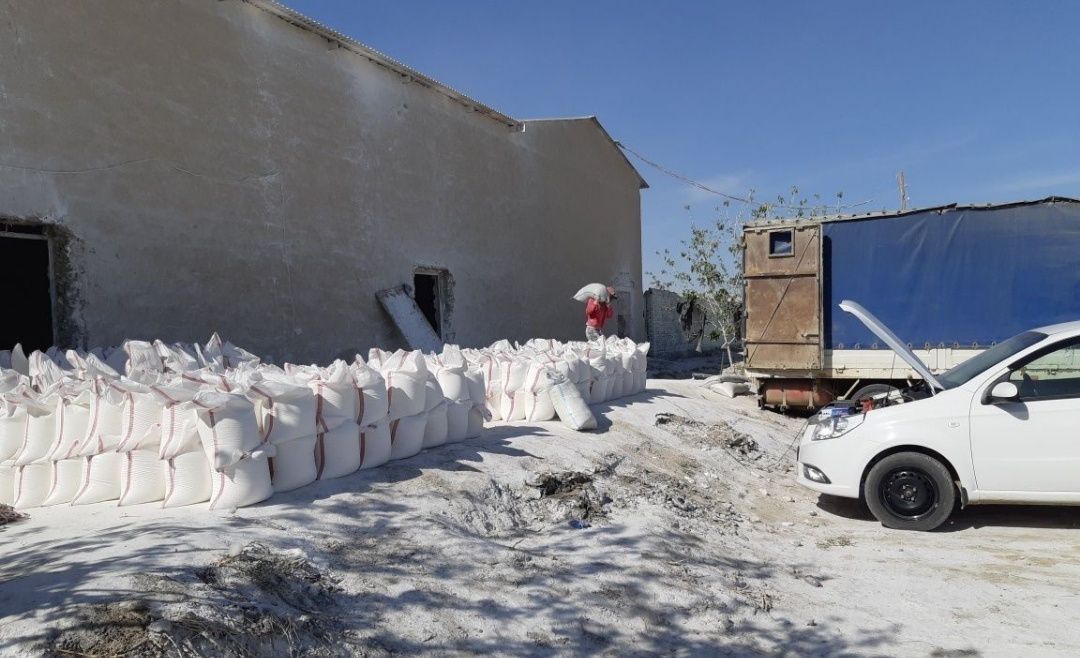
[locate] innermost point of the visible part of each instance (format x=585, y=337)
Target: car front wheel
x=910, y=491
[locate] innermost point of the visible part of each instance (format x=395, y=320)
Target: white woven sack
x=100, y=479
x=40, y=434
x=477, y=416
x=569, y=405
x=338, y=451
x=245, y=483
x=618, y=384
x=294, y=464
x=406, y=376
x=596, y=291
x=375, y=444
x=457, y=421
x=142, y=477
x=407, y=435
x=286, y=411
x=179, y=430
x=436, y=430
x=12, y=429
x=19, y=362
x=639, y=381
x=640, y=361
x=451, y=374
x=490, y=377
x=140, y=412
x=731, y=389
x=188, y=480
x=65, y=476
x=335, y=397
x=7, y=484
x=475, y=379
x=538, y=405
x=143, y=362
x=599, y=386
x=105, y=423
x=31, y=485
x=371, y=394
x=228, y=430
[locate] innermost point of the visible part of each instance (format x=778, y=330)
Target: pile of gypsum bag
x=544, y=379
x=185, y=424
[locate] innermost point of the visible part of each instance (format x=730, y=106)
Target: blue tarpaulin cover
x=955, y=276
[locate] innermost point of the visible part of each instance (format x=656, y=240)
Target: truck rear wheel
x=910, y=491
x=871, y=390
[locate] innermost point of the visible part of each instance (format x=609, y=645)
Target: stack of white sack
x=179, y=424
x=519, y=379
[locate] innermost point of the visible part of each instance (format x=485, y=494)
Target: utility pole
x=901, y=182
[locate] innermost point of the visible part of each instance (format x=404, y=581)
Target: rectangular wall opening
x=25, y=269
x=427, y=297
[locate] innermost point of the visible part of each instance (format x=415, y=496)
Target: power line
x=731, y=197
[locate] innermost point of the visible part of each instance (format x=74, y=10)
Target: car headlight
x=837, y=426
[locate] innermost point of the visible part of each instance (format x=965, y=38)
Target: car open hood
x=885, y=334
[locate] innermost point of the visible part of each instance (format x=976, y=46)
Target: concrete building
x=172, y=168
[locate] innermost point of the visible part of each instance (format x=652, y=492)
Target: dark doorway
x=24, y=269
x=426, y=294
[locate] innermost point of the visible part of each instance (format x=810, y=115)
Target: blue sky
x=976, y=101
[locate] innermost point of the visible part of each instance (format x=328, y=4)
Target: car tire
x=910, y=491
x=871, y=390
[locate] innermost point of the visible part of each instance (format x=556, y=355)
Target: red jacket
x=596, y=313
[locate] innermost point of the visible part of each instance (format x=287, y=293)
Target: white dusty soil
x=681, y=544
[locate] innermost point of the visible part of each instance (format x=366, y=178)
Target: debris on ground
x=741, y=446
x=254, y=601
x=9, y=515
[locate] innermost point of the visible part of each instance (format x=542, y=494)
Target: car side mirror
x=1004, y=392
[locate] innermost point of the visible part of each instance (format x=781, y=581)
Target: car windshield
x=964, y=372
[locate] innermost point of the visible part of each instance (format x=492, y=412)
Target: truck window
x=781, y=243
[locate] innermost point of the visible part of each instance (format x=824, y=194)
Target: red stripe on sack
x=131, y=414
x=54, y=480
x=213, y=435
x=86, y=481
x=393, y=430
x=269, y=427
x=389, y=390
x=319, y=421
x=167, y=447
x=359, y=403
x=320, y=456
x=26, y=437
x=220, y=491
x=127, y=477
x=363, y=447
x=171, y=486
x=270, y=465
x=93, y=426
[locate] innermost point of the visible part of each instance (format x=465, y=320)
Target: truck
x=950, y=281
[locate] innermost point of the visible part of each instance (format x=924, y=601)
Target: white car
x=1001, y=427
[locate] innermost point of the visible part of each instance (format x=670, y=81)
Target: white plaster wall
x=219, y=169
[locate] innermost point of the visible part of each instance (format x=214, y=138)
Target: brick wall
x=670, y=333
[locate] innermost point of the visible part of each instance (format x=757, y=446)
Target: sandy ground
x=678, y=538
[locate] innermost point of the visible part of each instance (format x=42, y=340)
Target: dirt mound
x=253, y=602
